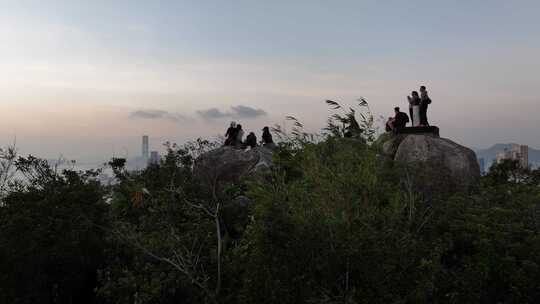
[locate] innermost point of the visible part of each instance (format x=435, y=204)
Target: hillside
x=329, y=218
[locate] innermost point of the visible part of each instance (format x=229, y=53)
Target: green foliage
x=153, y=229
x=337, y=232
x=50, y=245
x=509, y=172
x=345, y=124
x=334, y=225
x=489, y=245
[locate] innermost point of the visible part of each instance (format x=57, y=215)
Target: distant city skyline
x=86, y=79
x=519, y=153
x=527, y=156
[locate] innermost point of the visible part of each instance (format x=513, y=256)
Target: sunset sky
x=86, y=79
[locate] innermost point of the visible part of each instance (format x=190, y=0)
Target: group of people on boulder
x=418, y=106
x=235, y=137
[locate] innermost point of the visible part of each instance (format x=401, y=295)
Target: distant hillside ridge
x=490, y=154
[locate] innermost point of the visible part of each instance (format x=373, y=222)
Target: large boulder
x=228, y=164
x=439, y=164
x=225, y=165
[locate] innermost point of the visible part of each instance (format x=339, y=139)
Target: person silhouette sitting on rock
x=267, y=136
x=400, y=120
x=389, y=124
x=251, y=140
x=230, y=135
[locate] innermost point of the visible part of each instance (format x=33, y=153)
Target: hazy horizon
x=87, y=79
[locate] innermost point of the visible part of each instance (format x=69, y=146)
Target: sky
x=85, y=79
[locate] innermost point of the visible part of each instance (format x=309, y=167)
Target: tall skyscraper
x=524, y=156
x=145, y=149
x=482, y=165
x=154, y=158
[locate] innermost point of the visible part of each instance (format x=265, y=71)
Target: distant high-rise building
x=145, y=149
x=482, y=165
x=502, y=156
x=518, y=152
x=154, y=158
x=524, y=156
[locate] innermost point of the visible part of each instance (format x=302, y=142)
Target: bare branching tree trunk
x=219, y=248
x=214, y=214
x=7, y=169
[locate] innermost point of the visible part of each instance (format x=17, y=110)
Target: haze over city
x=86, y=79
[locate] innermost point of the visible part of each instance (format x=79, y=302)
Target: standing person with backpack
x=424, y=102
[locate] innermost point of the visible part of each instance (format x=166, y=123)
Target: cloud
x=213, y=113
x=157, y=114
x=238, y=112
x=247, y=112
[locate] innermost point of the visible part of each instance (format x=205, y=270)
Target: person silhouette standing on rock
x=414, y=108
x=239, y=139
x=424, y=102
x=230, y=135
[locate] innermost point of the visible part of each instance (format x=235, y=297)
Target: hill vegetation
x=332, y=222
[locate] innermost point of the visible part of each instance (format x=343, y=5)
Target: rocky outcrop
x=228, y=164
x=440, y=164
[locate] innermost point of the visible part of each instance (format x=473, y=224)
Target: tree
x=50, y=246
x=167, y=221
